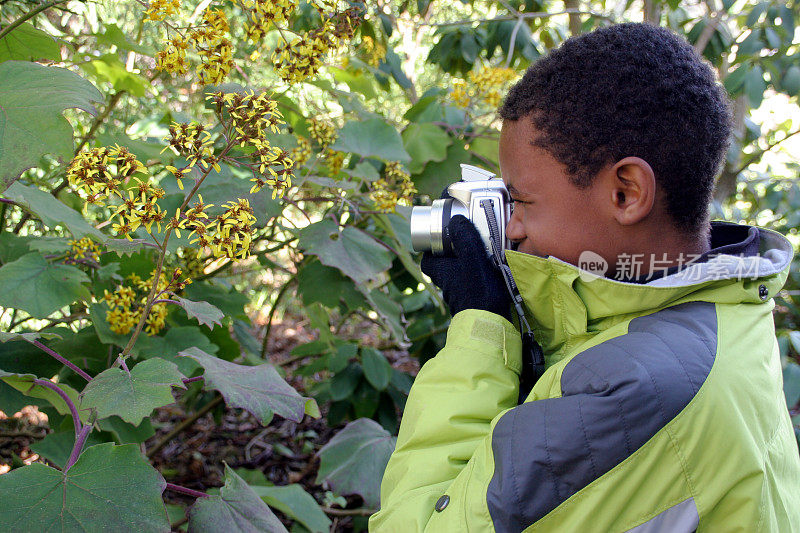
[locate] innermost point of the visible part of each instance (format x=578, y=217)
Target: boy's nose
x=515, y=231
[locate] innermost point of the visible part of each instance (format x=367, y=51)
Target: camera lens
x=428, y=225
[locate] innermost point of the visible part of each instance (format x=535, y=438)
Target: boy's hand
x=469, y=280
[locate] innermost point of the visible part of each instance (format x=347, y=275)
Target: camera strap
x=532, y=354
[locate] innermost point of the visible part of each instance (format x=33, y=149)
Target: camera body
x=429, y=223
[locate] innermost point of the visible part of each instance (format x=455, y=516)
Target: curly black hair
x=631, y=89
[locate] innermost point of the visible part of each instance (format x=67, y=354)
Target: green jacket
x=661, y=409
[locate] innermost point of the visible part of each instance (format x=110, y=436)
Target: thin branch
x=278, y=298
x=27, y=16
x=62, y=360
x=186, y=381
x=183, y=425
x=349, y=512
x=72, y=409
x=759, y=154
x=187, y=491
x=79, y=442
x=537, y=14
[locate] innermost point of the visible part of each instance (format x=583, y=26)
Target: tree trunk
x=652, y=12
x=574, y=18
x=726, y=182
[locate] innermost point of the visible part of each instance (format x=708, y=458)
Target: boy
x=661, y=406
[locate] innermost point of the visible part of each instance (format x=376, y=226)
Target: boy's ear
x=632, y=186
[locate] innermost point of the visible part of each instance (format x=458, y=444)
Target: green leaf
x=438, y=175
x=371, y=138
x=109, y=68
x=56, y=447
x=113, y=36
x=107, y=485
x=352, y=251
x=124, y=246
x=791, y=81
x=344, y=383
x=389, y=311
x=791, y=384
x=735, y=79
x=33, y=127
x=236, y=509
x=30, y=337
x=51, y=210
x=204, y=312
x=132, y=396
x=425, y=142
x=754, y=86
x=24, y=384
x=354, y=460
x=27, y=43
x=32, y=284
x=126, y=433
x=326, y=285
x=257, y=389
x=296, y=503
x=377, y=369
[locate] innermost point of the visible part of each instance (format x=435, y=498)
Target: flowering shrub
x=225, y=163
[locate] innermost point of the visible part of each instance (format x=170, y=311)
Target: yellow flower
x=161, y=9
x=394, y=187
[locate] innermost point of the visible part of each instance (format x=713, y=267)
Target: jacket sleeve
x=448, y=415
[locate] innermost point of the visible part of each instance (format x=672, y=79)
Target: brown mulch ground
x=284, y=451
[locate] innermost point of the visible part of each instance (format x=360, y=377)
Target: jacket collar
x=567, y=305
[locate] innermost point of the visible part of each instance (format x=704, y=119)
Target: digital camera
x=467, y=197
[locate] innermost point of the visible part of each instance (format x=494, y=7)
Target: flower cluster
x=127, y=302
x=394, y=187
x=83, y=250
x=301, y=58
x=302, y=152
x=100, y=172
x=192, y=141
x=261, y=14
x=211, y=40
x=161, y=9
x=191, y=261
x=214, y=47
x=484, y=86
x=173, y=57
x=229, y=234
x=140, y=208
x=252, y=117
x=374, y=52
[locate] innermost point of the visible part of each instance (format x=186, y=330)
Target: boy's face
x=551, y=215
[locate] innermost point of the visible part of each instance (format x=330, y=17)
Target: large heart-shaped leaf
x=236, y=509
x=32, y=100
x=51, y=211
x=27, y=44
x=352, y=251
x=37, y=287
x=353, y=461
x=370, y=138
x=425, y=142
x=108, y=487
x=258, y=389
x=24, y=383
x=132, y=396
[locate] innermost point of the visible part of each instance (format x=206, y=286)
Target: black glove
x=469, y=280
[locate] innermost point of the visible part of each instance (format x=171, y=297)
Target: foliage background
x=331, y=295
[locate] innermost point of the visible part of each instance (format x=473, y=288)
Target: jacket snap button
x=441, y=503
x=763, y=293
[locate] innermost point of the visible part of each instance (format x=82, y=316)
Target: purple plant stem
x=186, y=381
x=166, y=301
x=62, y=360
x=184, y=490
x=72, y=409
x=7, y=201
x=80, y=440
